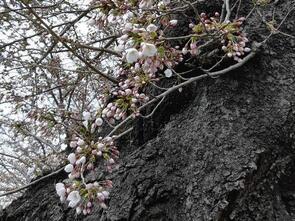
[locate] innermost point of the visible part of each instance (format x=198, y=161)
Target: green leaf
x=161, y=51
x=198, y=28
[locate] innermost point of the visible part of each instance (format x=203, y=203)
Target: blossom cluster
x=230, y=35
x=84, y=198
x=82, y=195
x=147, y=56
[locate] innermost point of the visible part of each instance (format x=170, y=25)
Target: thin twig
x=55, y=35
x=123, y=134
x=228, y=11
x=215, y=65
x=152, y=113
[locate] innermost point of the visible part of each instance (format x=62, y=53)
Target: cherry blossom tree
x=73, y=70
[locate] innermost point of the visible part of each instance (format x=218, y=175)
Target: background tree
x=45, y=87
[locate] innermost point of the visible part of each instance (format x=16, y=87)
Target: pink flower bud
x=79, y=149
x=90, y=166
x=94, y=152
x=128, y=92
x=103, y=205
x=106, y=194
x=73, y=144
x=100, y=146
x=100, y=196
x=111, y=161
x=193, y=45
x=89, y=186
x=81, y=142
x=85, y=212
x=109, y=105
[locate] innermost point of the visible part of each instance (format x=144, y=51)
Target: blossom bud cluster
x=145, y=55
x=83, y=198
x=127, y=102
x=230, y=35
x=86, y=153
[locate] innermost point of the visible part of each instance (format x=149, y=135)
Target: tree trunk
x=223, y=149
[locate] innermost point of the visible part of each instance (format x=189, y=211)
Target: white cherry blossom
x=69, y=168
x=168, y=73
x=82, y=160
x=151, y=28
x=72, y=158
x=60, y=190
x=132, y=55
x=148, y=50
x=74, y=198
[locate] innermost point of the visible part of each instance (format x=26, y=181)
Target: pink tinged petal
x=132, y=55
x=72, y=158
x=82, y=160
x=151, y=28
x=81, y=142
x=100, y=196
x=148, y=50
x=73, y=144
x=86, y=116
x=106, y=194
x=111, y=161
x=60, y=189
x=69, y=168
x=74, y=198
x=71, y=177
x=103, y=205
x=193, y=46
x=166, y=2
x=94, y=152
x=100, y=146
x=90, y=166
x=78, y=210
x=145, y=4
x=89, y=186
x=128, y=27
x=85, y=211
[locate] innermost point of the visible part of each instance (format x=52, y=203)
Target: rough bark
x=221, y=150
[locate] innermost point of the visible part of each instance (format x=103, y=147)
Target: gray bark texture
x=223, y=149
